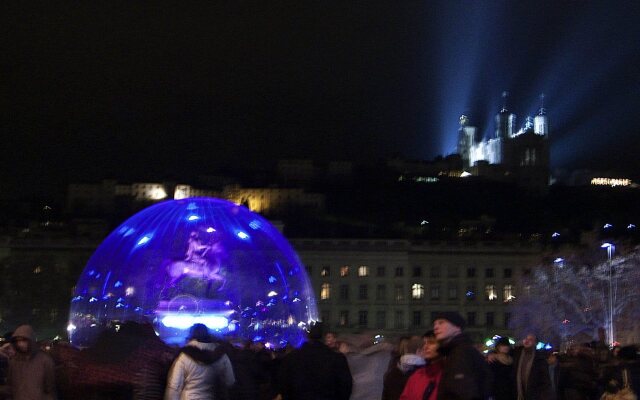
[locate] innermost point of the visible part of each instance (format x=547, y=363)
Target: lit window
x=417, y=291
x=508, y=293
x=344, y=271
x=325, y=291
x=326, y=271
x=37, y=270
x=490, y=292
x=363, y=270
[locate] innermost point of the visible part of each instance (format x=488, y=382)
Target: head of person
x=503, y=346
x=529, y=341
x=24, y=339
x=552, y=358
x=316, y=331
x=430, y=346
x=331, y=340
x=447, y=325
x=200, y=333
x=403, y=345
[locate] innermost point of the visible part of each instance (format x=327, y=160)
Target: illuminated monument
x=523, y=153
x=195, y=260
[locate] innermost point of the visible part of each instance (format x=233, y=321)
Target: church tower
x=466, y=140
x=540, y=122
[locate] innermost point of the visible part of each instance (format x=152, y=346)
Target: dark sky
x=156, y=90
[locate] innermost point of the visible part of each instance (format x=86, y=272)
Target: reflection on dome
x=195, y=260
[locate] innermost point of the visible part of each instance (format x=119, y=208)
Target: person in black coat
x=531, y=372
x=465, y=374
x=501, y=366
x=315, y=372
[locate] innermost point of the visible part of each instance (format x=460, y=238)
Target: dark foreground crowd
x=444, y=364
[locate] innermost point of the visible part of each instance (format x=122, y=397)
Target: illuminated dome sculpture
x=195, y=260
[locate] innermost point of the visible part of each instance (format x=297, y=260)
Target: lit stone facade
x=393, y=287
x=104, y=196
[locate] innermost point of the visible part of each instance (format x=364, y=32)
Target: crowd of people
x=442, y=364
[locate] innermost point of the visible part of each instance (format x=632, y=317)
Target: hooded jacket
x=31, y=376
x=196, y=372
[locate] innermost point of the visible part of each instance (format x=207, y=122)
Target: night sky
x=159, y=90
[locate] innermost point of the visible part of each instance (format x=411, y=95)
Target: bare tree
x=567, y=301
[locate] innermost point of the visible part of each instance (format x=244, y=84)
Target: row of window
x=416, y=319
x=434, y=272
x=418, y=292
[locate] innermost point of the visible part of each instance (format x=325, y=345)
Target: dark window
x=452, y=272
x=490, y=319
x=399, y=321
x=452, y=292
x=471, y=318
x=381, y=292
x=416, y=321
x=471, y=272
x=344, y=292
x=363, y=318
x=435, y=272
x=380, y=271
x=309, y=269
x=363, y=292
x=381, y=319
x=344, y=318
x=399, y=271
x=326, y=317
x=417, y=271
x=507, y=272
x=399, y=294
x=435, y=292
x=507, y=319
x=488, y=273
x=470, y=294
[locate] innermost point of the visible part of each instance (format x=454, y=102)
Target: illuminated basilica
x=521, y=154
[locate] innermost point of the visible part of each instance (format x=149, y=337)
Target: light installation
x=195, y=260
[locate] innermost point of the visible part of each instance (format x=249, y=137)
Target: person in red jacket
x=423, y=384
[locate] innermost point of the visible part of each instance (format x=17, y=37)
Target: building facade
x=394, y=287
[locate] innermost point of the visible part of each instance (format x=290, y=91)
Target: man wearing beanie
x=31, y=371
x=465, y=374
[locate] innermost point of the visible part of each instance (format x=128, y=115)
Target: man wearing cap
x=465, y=374
x=31, y=371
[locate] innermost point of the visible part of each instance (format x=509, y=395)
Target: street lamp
x=610, y=249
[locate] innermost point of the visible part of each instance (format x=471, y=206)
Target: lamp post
x=610, y=249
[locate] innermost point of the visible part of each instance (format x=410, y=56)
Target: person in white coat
x=199, y=368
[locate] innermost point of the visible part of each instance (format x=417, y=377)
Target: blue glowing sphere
x=197, y=260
